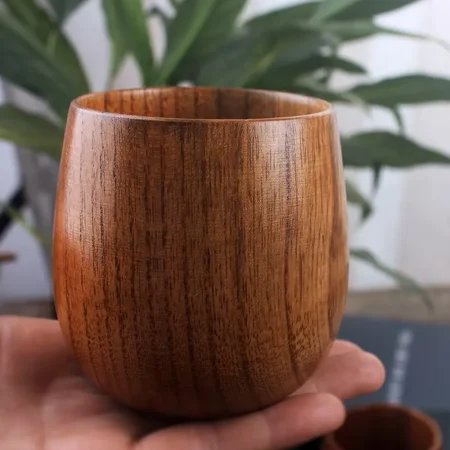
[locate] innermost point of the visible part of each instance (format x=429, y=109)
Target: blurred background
x=406, y=217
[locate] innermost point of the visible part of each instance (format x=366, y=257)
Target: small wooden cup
x=385, y=427
x=7, y=257
x=200, y=248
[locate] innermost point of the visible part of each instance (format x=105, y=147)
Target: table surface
x=402, y=305
x=392, y=304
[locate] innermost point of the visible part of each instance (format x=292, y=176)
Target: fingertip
x=318, y=415
x=341, y=346
x=373, y=372
x=334, y=409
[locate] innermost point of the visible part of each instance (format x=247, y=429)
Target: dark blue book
x=417, y=361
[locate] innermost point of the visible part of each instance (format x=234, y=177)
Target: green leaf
x=351, y=31
x=284, y=76
x=246, y=58
x=404, y=90
x=346, y=65
x=127, y=28
x=31, y=17
x=119, y=46
x=330, y=8
x=387, y=149
x=328, y=62
x=40, y=25
x=27, y=62
x=377, y=170
x=356, y=198
x=217, y=29
x=30, y=131
x=355, y=22
x=64, y=8
x=182, y=31
x=281, y=18
x=33, y=231
x=345, y=31
x=308, y=85
x=301, y=14
x=403, y=280
x=369, y=8
x=238, y=62
x=300, y=46
x=399, y=119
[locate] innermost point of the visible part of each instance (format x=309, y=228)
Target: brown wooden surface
x=200, y=262
x=385, y=427
x=7, y=257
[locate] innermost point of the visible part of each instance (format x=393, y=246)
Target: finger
x=340, y=347
x=31, y=350
x=348, y=375
x=292, y=422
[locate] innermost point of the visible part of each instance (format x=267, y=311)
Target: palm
x=46, y=403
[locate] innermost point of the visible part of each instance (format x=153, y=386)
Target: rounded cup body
x=200, y=253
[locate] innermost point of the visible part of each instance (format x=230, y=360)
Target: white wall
x=410, y=229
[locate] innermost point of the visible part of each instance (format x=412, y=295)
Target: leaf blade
x=403, y=280
x=232, y=66
x=382, y=148
x=25, y=62
x=118, y=47
x=127, y=29
x=350, y=30
x=281, y=76
x=356, y=198
x=182, y=32
x=248, y=57
x=280, y=18
x=30, y=131
x=302, y=13
x=405, y=90
x=20, y=219
x=369, y=8
x=64, y=8
x=41, y=26
x=330, y=8
x=214, y=32
x=302, y=44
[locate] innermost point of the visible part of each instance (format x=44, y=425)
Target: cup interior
x=387, y=427
x=191, y=103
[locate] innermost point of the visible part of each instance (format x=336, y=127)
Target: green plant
x=293, y=49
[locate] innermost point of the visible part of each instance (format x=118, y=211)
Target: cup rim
x=415, y=413
x=328, y=107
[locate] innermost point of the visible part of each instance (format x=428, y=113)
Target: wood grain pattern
x=385, y=427
x=200, y=259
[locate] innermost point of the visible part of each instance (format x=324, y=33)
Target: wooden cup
x=200, y=254
x=385, y=427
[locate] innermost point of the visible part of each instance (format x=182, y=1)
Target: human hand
x=46, y=403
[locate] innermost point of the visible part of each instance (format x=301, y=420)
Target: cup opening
x=387, y=427
x=195, y=103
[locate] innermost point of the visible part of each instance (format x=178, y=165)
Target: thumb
x=296, y=420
